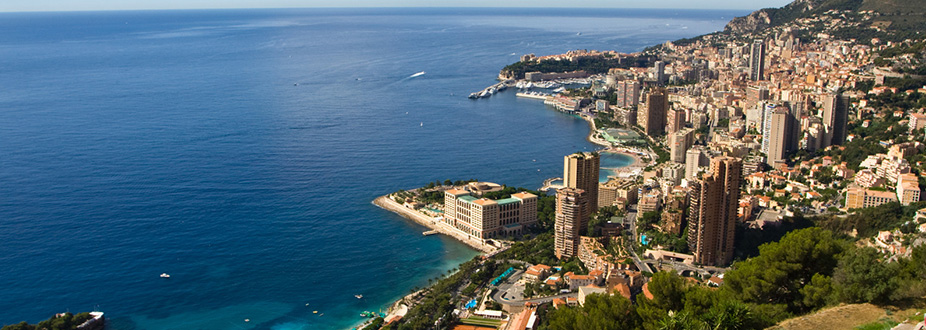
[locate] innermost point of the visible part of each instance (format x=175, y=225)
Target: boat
x=314, y=312
x=247, y=320
x=417, y=74
x=359, y=296
x=165, y=275
x=474, y=95
x=422, y=124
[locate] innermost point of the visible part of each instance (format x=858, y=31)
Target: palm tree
x=730, y=315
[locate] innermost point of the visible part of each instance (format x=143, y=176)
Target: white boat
x=422, y=124
x=358, y=296
x=165, y=275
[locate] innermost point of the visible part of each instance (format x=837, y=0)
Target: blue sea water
x=239, y=150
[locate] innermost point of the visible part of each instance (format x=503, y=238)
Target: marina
x=491, y=90
x=534, y=95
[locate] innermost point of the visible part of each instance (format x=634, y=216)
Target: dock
x=491, y=90
x=533, y=95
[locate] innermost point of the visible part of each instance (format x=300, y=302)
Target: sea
x=239, y=151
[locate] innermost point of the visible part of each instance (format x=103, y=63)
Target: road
x=630, y=221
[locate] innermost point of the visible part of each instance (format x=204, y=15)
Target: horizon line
x=364, y=7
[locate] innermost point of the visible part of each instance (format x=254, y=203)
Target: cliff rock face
x=765, y=18
x=755, y=21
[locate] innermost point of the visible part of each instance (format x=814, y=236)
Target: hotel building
x=484, y=218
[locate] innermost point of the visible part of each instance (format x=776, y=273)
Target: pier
x=533, y=95
x=430, y=232
x=548, y=184
x=491, y=90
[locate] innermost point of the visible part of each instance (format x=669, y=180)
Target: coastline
x=388, y=204
x=400, y=306
x=609, y=148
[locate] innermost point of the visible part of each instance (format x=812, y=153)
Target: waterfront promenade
x=433, y=223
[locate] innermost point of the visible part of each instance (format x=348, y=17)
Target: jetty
x=491, y=90
x=430, y=232
x=533, y=95
x=387, y=203
x=548, y=184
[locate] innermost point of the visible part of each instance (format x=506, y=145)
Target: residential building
x=571, y=221
x=652, y=113
x=917, y=122
x=581, y=171
x=714, y=201
x=628, y=94
x=757, y=60
x=857, y=197
x=777, y=139
x=615, y=189
x=908, y=189
x=675, y=120
x=679, y=143
x=836, y=117
x=694, y=159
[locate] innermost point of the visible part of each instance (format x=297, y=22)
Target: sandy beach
x=388, y=204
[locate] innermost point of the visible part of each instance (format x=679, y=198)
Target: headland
x=386, y=202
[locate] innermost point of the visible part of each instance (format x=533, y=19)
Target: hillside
x=905, y=17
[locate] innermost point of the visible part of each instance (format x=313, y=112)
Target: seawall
x=388, y=204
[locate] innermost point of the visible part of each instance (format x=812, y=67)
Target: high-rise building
x=628, y=93
x=580, y=171
x=675, y=120
x=754, y=94
x=660, y=74
x=694, y=159
x=836, y=117
x=652, y=113
x=571, y=221
x=679, y=142
x=714, y=201
x=777, y=135
x=757, y=60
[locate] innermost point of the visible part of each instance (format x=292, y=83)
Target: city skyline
x=105, y=5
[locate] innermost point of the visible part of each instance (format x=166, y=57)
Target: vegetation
x=67, y=321
x=807, y=270
x=536, y=251
x=869, y=221
x=592, y=65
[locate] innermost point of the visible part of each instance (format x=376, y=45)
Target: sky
x=72, y=5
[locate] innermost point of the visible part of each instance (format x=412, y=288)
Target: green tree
x=862, y=276
x=600, y=312
x=669, y=292
x=818, y=293
x=783, y=268
x=732, y=315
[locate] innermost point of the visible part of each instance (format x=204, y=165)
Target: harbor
x=491, y=90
